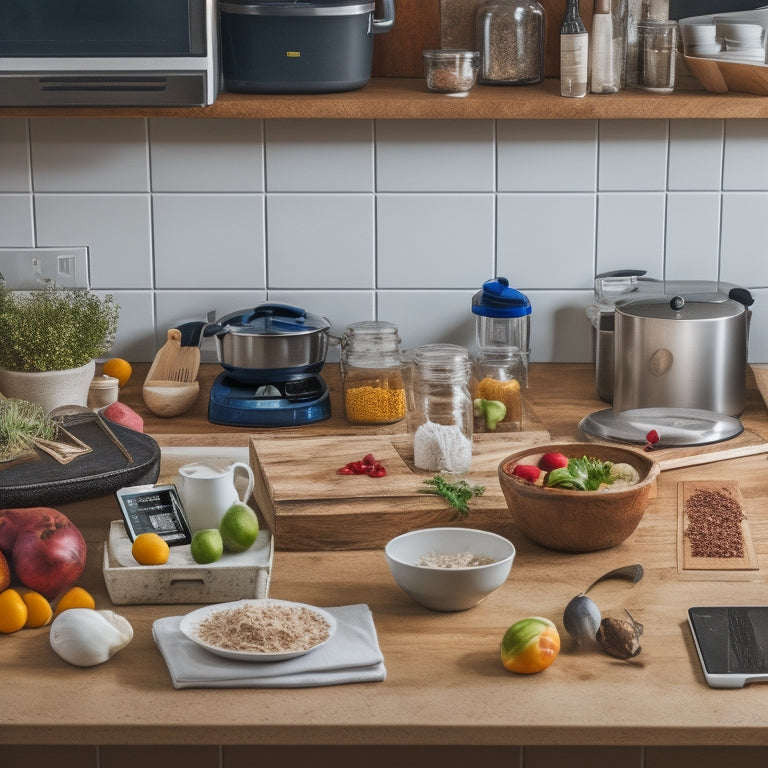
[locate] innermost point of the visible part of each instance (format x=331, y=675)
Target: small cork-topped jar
x=373, y=373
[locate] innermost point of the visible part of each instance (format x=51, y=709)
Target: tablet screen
x=732, y=640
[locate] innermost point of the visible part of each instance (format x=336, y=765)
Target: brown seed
x=620, y=638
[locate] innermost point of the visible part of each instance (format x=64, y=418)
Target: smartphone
x=154, y=509
x=732, y=644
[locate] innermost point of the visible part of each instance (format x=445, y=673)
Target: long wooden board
x=685, y=558
x=308, y=506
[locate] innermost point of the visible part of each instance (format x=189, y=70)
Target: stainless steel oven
x=108, y=53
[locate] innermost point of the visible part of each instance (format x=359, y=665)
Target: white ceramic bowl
x=448, y=589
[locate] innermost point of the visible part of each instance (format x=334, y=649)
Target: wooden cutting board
x=687, y=560
x=308, y=506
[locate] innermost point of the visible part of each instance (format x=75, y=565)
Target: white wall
x=400, y=220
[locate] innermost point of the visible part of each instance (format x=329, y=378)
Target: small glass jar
x=372, y=373
x=450, y=71
x=509, y=34
x=497, y=375
x=440, y=409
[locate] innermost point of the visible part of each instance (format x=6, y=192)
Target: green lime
x=206, y=546
x=239, y=528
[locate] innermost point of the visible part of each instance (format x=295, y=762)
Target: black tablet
x=156, y=509
x=732, y=644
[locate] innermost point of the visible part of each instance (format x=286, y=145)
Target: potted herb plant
x=50, y=339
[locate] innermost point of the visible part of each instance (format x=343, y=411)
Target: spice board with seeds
x=259, y=630
x=713, y=532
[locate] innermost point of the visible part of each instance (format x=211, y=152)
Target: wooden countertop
x=445, y=683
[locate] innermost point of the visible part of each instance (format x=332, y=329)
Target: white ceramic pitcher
x=207, y=490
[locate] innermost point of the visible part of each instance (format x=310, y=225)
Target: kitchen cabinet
x=446, y=698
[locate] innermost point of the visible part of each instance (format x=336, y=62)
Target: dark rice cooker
x=320, y=46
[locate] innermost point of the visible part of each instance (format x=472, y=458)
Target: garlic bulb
x=86, y=637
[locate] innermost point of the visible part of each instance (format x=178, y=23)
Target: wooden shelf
x=407, y=98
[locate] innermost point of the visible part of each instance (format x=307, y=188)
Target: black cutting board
x=41, y=480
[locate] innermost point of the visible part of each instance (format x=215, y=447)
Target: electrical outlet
x=29, y=269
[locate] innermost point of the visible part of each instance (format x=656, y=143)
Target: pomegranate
x=44, y=549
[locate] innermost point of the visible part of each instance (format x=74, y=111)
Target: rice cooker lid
x=680, y=308
x=273, y=320
x=304, y=8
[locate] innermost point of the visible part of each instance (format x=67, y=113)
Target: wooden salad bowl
x=574, y=520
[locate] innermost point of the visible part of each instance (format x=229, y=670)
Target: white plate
x=191, y=622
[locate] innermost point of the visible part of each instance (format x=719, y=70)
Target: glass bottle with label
x=574, y=49
x=440, y=409
x=373, y=373
x=509, y=35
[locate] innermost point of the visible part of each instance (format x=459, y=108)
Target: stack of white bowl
x=741, y=41
x=700, y=39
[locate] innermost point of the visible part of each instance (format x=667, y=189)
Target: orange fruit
x=13, y=611
x=530, y=645
x=39, y=611
x=76, y=597
x=150, y=549
x=119, y=368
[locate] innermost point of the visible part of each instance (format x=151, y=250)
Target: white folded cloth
x=352, y=655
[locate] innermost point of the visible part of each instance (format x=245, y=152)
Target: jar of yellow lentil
x=372, y=373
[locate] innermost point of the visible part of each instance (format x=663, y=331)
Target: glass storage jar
x=496, y=376
x=373, y=373
x=440, y=409
x=509, y=35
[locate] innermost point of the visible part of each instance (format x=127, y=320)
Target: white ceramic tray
x=181, y=579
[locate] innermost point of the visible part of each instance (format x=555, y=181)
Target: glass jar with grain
x=373, y=373
x=509, y=35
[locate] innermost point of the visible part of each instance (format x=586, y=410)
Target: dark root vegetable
x=620, y=638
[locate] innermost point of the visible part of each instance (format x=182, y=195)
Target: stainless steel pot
x=267, y=343
x=682, y=352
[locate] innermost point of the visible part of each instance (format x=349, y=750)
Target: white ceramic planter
x=50, y=389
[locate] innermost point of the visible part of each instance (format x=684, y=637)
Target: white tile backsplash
x=212, y=155
x=17, y=221
x=745, y=161
x=630, y=232
x=343, y=224
x=435, y=155
x=547, y=155
x=400, y=220
x=16, y=173
x=319, y=155
x=90, y=155
x=696, y=154
x=529, y=246
x=208, y=241
x=434, y=241
x=116, y=228
x=632, y=155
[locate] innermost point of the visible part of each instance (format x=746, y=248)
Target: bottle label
x=574, y=64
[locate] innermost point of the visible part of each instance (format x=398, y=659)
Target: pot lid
x=497, y=299
x=302, y=8
x=682, y=307
x=272, y=320
x=677, y=427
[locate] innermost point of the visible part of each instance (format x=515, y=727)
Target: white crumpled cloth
x=352, y=655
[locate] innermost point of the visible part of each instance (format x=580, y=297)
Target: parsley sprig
x=457, y=494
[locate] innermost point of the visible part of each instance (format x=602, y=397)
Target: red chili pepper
x=366, y=466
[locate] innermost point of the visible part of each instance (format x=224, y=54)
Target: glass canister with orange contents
x=373, y=373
